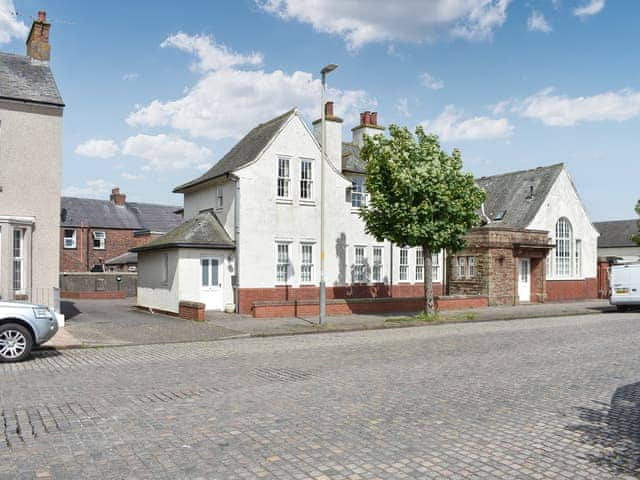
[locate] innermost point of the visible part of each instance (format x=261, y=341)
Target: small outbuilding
x=194, y=262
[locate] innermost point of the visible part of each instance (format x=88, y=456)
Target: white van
x=624, y=281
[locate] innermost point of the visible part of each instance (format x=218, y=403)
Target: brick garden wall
x=282, y=294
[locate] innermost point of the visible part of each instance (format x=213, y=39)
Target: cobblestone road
x=543, y=398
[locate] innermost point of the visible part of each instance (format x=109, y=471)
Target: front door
x=211, y=282
x=524, y=280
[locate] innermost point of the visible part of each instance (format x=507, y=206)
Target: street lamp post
x=323, y=141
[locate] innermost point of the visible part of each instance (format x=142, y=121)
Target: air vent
x=500, y=215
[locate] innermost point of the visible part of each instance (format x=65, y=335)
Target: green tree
x=419, y=196
x=636, y=237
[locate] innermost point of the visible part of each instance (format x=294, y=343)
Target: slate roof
x=22, y=79
x=243, y=152
x=617, y=233
x=351, y=161
x=131, y=216
x=202, y=231
x=124, y=259
x=510, y=193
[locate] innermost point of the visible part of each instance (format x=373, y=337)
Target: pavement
x=93, y=323
x=543, y=398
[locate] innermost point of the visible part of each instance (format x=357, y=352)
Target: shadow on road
x=614, y=431
x=69, y=309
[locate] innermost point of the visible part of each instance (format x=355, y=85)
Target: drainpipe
x=236, y=239
x=391, y=270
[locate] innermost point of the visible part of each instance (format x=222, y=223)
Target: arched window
x=564, y=240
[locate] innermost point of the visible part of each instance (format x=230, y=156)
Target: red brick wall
x=81, y=258
x=283, y=294
x=603, y=280
x=558, y=290
x=382, y=305
x=93, y=295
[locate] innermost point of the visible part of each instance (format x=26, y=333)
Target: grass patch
x=419, y=318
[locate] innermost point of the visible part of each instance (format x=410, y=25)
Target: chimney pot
x=328, y=109
x=42, y=16
x=367, y=118
x=374, y=118
x=362, y=118
x=117, y=197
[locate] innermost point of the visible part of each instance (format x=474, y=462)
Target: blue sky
x=158, y=90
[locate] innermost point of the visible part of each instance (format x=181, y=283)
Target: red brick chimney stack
x=328, y=109
x=38, y=47
x=117, y=198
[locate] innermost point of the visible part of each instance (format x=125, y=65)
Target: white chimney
x=368, y=126
x=334, y=135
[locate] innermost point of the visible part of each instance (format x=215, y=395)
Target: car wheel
x=622, y=308
x=15, y=342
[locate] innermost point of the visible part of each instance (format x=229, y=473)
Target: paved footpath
x=541, y=398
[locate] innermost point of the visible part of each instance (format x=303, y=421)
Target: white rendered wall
x=30, y=158
x=152, y=292
x=190, y=273
x=563, y=201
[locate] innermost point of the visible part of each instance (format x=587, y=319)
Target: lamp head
x=329, y=68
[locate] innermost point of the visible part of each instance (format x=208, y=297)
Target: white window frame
x=307, y=270
x=17, y=254
x=419, y=273
x=219, y=197
x=359, y=272
x=306, y=183
x=285, y=179
x=101, y=236
x=563, y=252
x=435, y=267
x=462, y=267
x=358, y=193
x=72, y=243
x=286, y=263
x=403, y=265
x=377, y=264
x=471, y=266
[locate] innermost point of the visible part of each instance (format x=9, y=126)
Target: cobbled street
x=543, y=398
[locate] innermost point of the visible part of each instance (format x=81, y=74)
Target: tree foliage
x=419, y=195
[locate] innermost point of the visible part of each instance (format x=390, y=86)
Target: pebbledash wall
x=563, y=202
x=294, y=222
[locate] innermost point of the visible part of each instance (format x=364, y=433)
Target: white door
x=524, y=280
x=211, y=282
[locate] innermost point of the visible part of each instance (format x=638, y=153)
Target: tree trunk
x=429, y=306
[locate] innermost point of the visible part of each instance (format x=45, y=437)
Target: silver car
x=23, y=325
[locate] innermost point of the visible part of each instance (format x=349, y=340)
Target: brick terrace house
x=252, y=232
x=95, y=232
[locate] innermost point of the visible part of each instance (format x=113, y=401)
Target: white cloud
x=563, y=111
x=131, y=176
x=97, y=148
x=130, y=76
x=537, y=23
x=98, y=188
x=10, y=26
x=592, y=7
x=382, y=20
x=211, y=55
x=402, y=107
x=452, y=125
x=165, y=152
x=226, y=103
x=430, y=82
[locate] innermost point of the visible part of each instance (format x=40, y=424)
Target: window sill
x=307, y=203
x=284, y=201
x=101, y=249
x=356, y=210
x=70, y=248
